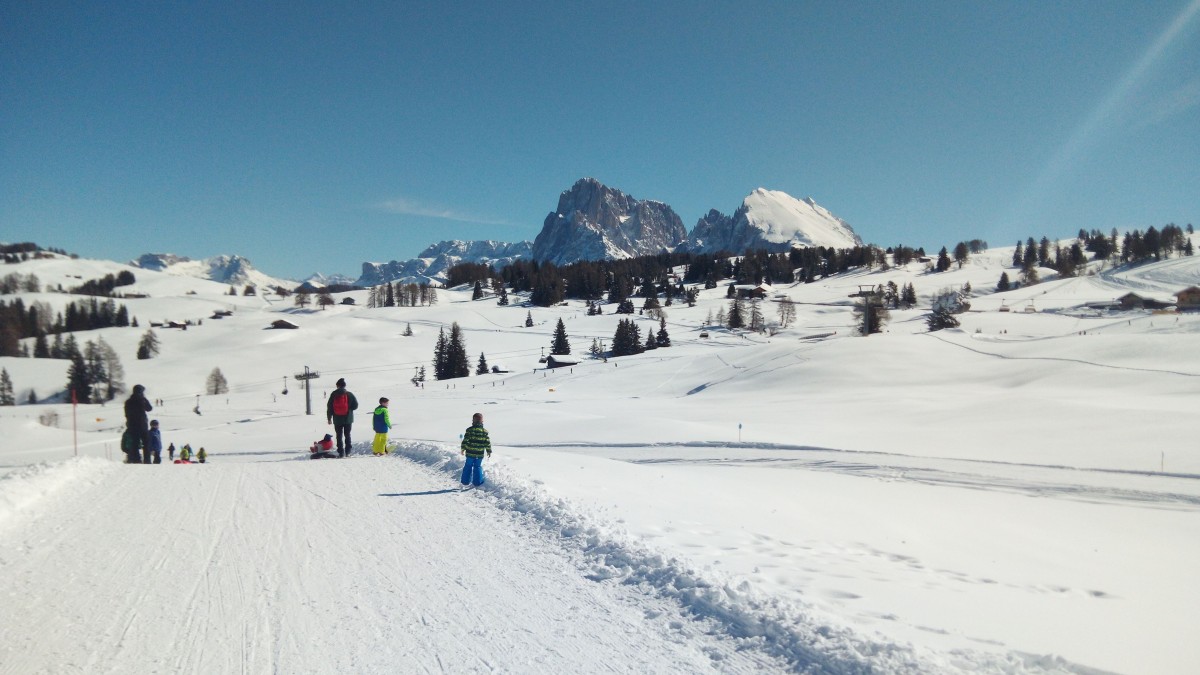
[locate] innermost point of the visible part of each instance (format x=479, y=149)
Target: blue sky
x=315, y=136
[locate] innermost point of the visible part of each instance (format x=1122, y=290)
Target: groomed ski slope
x=372, y=565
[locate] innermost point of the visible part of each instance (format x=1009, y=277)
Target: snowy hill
x=1019, y=495
x=227, y=269
x=430, y=265
x=771, y=220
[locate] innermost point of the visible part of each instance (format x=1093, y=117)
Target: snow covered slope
x=1018, y=495
x=226, y=269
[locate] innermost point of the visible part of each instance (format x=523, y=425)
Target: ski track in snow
x=379, y=565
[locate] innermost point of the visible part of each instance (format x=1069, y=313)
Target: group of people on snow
x=142, y=440
x=339, y=411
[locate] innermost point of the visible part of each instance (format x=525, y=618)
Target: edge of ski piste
x=25, y=487
x=606, y=553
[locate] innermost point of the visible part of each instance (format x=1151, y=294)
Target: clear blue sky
x=315, y=136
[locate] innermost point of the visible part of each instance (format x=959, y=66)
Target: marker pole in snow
x=306, y=377
x=74, y=423
x=739, y=432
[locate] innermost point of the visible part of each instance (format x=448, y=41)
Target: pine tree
x=407, y=330
x=456, y=349
x=757, y=323
x=482, y=368
x=961, y=253
x=97, y=374
x=941, y=318
x=114, y=372
x=477, y=294
x=77, y=378
x=216, y=383
x=560, y=345
x=147, y=346
x=528, y=319
x=389, y=299
x=503, y=297
x=736, y=317
x=6, y=389
x=440, y=369
x=943, y=261
x=663, y=339
x=651, y=343
x=1004, y=284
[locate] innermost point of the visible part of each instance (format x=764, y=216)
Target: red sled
x=183, y=461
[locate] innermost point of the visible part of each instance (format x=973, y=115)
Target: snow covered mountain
x=596, y=222
x=318, y=280
x=431, y=264
x=227, y=269
x=774, y=221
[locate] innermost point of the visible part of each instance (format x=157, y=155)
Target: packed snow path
x=363, y=565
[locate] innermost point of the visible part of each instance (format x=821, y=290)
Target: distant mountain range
x=597, y=222
x=591, y=222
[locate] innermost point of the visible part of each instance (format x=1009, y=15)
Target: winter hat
x=328, y=437
x=153, y=423
x=137, y=389
x=382, y=400
x=341, y=382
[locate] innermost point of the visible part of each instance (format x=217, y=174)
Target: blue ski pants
x=473, y=471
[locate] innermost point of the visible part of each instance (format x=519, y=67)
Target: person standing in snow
x=171, y=452
x=201, y=454
x=381, y=422
x=137, y=425
x=475, y=444
x=155, y=444
x=339, y=411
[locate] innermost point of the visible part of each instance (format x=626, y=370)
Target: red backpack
x=341, y=404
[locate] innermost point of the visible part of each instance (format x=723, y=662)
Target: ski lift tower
x=872, y=297
x=306, y=377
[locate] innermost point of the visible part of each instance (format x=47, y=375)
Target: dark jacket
x=348, y=418
x=136, y=407
x=475, y=441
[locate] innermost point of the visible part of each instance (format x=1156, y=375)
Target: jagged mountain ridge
x=596, y=222
x=430, y=265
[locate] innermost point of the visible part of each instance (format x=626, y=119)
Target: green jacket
x=475, y=441
x=348, y=418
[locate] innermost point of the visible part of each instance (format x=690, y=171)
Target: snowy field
x=1020, y=495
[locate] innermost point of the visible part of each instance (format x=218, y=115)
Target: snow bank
x=809, y=644
x=28, y=486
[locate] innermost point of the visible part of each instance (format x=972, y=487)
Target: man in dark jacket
x=339, y=411
x=137, y=425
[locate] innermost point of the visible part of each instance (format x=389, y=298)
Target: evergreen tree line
x=18, y=321
x=652, y=276
x=15, y=253
x=105, y=285
x=628, y=340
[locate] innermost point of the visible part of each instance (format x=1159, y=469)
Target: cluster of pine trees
x=450, y=355
x=628, y=340
x=106, y=285
x=17, y=321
